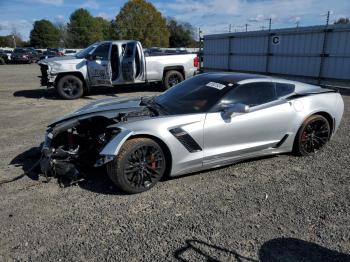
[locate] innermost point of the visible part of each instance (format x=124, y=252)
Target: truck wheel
x=138, y=166
x=2, y=61
x=70, y=87
x=172, y=78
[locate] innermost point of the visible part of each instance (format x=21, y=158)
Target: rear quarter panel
x=330, y=103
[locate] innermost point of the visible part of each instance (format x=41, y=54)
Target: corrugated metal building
x=315, y=54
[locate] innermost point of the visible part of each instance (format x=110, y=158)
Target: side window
x=130, y=49
x=252, y=94
x=102, y=51
x=283, y=89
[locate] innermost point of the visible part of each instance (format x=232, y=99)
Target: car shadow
x=278, y=249
x=51, y=93
x=27, y=160
x=94, y=179
x=258, y=158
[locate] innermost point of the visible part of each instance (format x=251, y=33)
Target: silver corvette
x=207, y=121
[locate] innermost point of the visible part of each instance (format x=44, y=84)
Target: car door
x=99, y=66
x=133, y=63
x=262, y=127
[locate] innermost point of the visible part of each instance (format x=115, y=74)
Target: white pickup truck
x=112, y=63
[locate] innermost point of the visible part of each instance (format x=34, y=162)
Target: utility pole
x=229, y=28
x=270, y=22
x=297, y=22
x=328, y=14
x=14, y=41
x=246, y=27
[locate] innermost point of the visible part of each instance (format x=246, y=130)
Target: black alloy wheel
x=313, y=135
x=139, y=165
x=70, y=87
x=172, y=78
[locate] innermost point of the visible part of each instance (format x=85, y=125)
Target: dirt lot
x=284, y=208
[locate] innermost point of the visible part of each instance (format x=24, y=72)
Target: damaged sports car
x=207, y=121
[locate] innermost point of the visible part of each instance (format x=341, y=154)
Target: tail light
x=196, y=62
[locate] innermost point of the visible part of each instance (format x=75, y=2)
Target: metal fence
x=318, y=54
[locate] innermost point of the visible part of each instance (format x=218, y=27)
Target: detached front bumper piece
x=57, y=163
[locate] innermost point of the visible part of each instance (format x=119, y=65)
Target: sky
x=212, y=16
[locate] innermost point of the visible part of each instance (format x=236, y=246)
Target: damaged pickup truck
x=112, y=63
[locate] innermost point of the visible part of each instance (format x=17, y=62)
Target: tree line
x=137, y=20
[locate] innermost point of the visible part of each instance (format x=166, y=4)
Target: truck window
x=130, y=49
x=102, y=51
x=115, y=62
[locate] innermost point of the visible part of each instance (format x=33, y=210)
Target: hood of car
x=61, y=60
x=107, y=107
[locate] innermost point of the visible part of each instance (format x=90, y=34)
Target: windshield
x=86, y=51
x=18, y=50
x=195, y=95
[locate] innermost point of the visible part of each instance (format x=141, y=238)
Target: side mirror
x=230, y=109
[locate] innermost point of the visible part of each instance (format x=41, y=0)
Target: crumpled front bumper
x=54, y=163
x=47, y=79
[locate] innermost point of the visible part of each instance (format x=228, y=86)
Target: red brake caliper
x=153, y=165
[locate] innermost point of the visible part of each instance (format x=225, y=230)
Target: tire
x=70, y=87
x=172, y=78
x=2, y=61
x=312, y=136
x=132, y=175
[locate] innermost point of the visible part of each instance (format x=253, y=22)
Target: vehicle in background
x=48, y=54
x=39, y=51
x=5, y=56
x=111, y=63
x=59, y=51
x=70, y=52
x=23, y=55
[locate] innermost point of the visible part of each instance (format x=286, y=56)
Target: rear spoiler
x=321, y=91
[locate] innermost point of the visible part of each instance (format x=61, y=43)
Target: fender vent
x=185, y=139
x=281, y=141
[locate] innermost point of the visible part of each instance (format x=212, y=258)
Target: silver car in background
x=207, y=121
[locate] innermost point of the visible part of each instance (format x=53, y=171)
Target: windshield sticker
x=216, y=85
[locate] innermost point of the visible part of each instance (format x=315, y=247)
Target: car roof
x=244, y=78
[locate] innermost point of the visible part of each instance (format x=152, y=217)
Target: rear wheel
x=139, y=165
x=172, y=78
x=312, y=135
x=70, y=87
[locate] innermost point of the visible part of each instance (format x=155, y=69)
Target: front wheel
x=172, y=78
x=70, y=87
x=139, y=165
x=312, y=135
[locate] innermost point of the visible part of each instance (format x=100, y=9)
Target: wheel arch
x=178, y=68
x=326, y=115
x=74, y=73
x=163, y=145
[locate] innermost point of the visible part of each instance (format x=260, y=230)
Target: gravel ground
x=281, y=208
